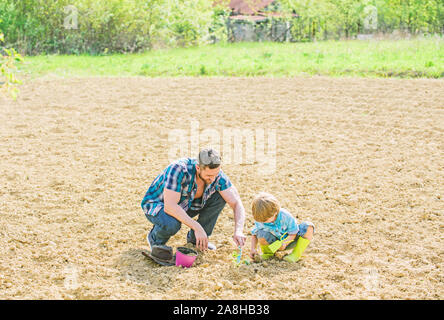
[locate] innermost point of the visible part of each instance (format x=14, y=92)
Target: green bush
x=334, y=19
x=8, y=59
x=39, y=26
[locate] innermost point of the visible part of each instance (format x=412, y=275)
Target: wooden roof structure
x=252, y=10
x=249, y=7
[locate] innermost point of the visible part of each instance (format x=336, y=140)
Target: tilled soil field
x=363, y=159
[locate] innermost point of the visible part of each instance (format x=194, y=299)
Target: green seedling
x=237, y=258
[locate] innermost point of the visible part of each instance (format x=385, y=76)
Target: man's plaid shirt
x=180, y=176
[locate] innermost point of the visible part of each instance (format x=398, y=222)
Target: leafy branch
x=8, y=68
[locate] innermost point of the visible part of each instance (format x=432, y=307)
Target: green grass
x=384, y=58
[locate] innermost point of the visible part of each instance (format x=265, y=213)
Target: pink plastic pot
x=185, y=257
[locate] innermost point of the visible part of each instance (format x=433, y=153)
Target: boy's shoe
x=275, y=245
x=296, y=254
x=266, y=252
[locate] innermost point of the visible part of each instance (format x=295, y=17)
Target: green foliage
x=125, y=26
x=104, y=26
x=326, y=19
x=188, y=21
x=8, y=59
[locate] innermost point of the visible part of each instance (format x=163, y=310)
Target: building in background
x=258, y=20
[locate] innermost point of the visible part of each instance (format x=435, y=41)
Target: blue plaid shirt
x=180, y=176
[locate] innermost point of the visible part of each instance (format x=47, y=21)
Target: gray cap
x=210, y=158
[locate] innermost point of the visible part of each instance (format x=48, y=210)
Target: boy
x=272, y=224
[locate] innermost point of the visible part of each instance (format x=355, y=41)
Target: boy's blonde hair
x=265, y=206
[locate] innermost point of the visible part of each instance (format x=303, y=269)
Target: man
x=188, y=188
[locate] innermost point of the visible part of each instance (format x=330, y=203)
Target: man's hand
x=231, y=196
x=201, y=238
x=239, y=239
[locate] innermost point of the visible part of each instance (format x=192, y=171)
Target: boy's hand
x=253, y=253
x=287, y=241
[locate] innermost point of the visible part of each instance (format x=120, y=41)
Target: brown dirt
x=361, y=158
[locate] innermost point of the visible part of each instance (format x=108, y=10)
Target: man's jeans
x=166, y=226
